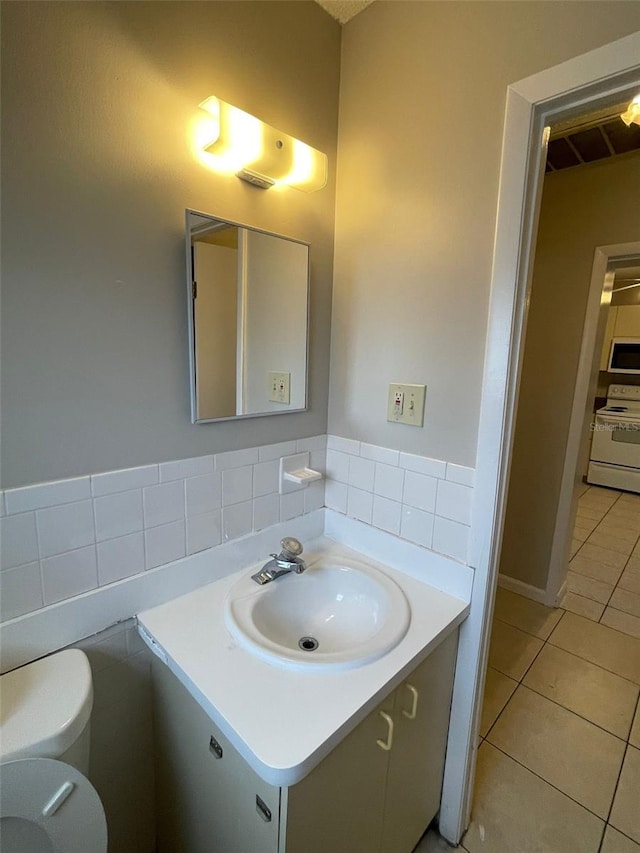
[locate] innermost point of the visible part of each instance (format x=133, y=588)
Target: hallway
x=603, y=582
x=559, y=759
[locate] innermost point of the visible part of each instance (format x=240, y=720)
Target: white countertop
x=284, y=722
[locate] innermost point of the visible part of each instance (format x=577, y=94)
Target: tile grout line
x=615, y=790
x=520, y=682
x=544, y=642
x=622, y=570
x=570, y=710
x=605, y=821
x=550, y=784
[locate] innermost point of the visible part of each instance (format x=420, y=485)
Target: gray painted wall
x=422, y=99
x=98, y=168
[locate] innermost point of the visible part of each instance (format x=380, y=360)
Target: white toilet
x=47, y=805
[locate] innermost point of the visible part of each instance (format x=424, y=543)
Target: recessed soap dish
x=295, y=473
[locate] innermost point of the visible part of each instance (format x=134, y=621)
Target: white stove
x=615, y=449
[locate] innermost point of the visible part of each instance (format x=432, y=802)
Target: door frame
x=571, y=88
x=598, y=303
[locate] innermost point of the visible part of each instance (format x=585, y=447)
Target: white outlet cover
x=412, y=406
x=279, y=387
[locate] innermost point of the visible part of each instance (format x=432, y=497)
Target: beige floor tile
x=597, y=493
x=582, y=606
x=625, y=814
x=634, y=737
x=498, y=690
x=586, y=522
x=512, y=651
x=599, y=644
x=578, y=758
x=523, y=613
x=580, y=534
x=585, y=526
x=590, y=691
x=589, y=587
x=627, y=601
x=620, y=529
x=616, y=842
x=623, y=622
x=630, y=498
x=636, y=550
x=516, y=812
x=589, y=513
x=594, y=568
x=630, y=578
x=576, y=544
x=626, y=511
x=607, y=556
x=611, y=543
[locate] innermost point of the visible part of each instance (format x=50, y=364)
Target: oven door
x=616, y=441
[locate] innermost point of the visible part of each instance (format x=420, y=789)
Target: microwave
x=624, y=356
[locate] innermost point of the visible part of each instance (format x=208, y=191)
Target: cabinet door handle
x=388, y=743
x=411, y=715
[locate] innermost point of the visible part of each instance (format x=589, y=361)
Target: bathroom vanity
x=268, y=758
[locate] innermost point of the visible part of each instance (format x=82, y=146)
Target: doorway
x=570, y=88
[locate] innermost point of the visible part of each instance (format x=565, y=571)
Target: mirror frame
x=191, y=322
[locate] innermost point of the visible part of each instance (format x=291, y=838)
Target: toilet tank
x=45, y=709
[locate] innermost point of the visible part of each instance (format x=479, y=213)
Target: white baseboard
x=522, y=588
x=561, y=594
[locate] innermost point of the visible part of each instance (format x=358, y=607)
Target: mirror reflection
x=248, y=320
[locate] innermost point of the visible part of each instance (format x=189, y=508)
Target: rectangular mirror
x=248, y=297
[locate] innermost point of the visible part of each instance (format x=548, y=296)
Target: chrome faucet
x=288, y=560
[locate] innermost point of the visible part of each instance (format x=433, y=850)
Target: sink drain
x=308, y=644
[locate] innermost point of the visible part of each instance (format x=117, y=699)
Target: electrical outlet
x=279, y=387
x=405, y=404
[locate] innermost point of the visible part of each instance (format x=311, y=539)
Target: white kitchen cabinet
x=608, y=337
x=377, y=791
x=627, y=322
x=623, y=321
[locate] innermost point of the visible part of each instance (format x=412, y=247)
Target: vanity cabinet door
x=206, y=804
x=416, y=762
x=339, y=806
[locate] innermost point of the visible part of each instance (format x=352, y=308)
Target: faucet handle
x=291, y=547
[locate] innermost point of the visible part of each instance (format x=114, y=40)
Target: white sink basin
x=336, y=615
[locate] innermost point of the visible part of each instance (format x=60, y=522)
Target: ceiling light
x=237, y=143
x=632, y=113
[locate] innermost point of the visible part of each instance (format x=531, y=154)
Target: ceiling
x=344, y=10
x=597, y=136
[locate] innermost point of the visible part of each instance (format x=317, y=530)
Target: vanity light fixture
x=237, y=143
x=632, y=113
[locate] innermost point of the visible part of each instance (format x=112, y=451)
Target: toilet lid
x=58, y=799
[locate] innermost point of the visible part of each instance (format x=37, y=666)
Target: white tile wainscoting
x=426, y=501
x=62, y=539
x=66, y=538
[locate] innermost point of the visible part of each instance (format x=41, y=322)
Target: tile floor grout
x=521, y=683
x=569, y=740
x=544, y=642
x=599, y=830
x=607, y=607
